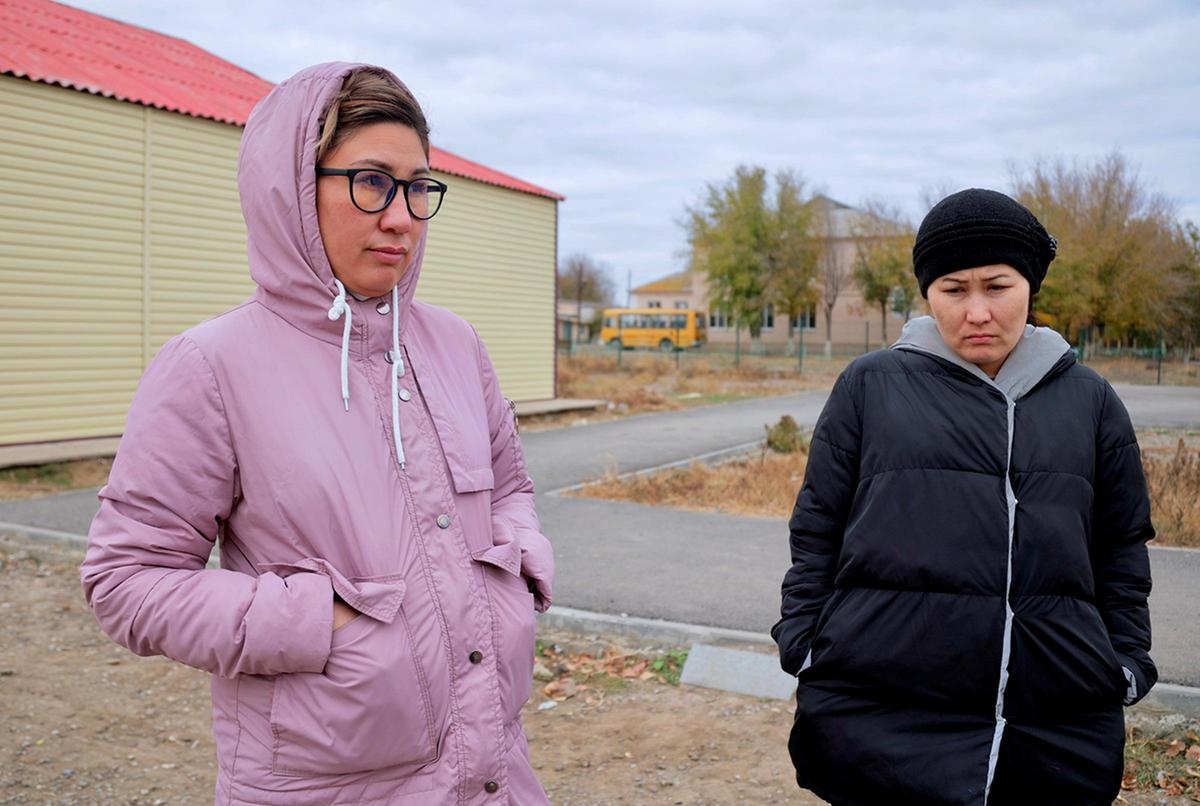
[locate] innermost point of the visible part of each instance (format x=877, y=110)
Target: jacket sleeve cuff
x=537, y=565
x=297, y=634
x=1136, y=684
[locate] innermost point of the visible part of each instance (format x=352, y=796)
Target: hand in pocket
x=343, y=614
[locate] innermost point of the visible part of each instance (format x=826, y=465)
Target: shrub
x=786, y=437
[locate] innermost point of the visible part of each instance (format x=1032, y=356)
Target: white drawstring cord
x=397, y=371
x=341, y=308
x=338, y=309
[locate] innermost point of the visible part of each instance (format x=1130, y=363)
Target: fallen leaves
x=569, y=674
x=1168, y=764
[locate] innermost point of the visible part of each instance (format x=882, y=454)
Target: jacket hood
x=278, y=188
x=1035, y=356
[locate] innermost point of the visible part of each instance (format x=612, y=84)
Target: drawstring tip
x=346, y=403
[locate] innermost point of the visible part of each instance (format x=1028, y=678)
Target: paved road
x=713, y=569
x=1168, y=406
x=561, y=457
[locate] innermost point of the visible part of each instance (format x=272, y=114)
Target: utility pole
x=578, y=305
x=628, y=288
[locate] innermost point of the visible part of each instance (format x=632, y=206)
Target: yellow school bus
x=663, y=328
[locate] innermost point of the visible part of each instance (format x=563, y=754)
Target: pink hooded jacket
x=329, y=444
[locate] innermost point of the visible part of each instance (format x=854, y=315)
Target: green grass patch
x=670, y=665
x=54, y=473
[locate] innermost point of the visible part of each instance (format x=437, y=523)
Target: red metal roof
x=56, y=44
x=442, y=160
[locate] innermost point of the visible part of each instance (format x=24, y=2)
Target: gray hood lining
x=1038, y=351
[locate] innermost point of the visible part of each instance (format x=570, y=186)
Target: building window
x=681, y=304
x=654, y=304
x=768, y=317
x=718, y=319
x=806, y=320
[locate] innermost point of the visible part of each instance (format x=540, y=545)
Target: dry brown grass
x=762, y=486
x=648, y=382
x=36, y=480
x=766, y=486
x=1130, y=369
x=1174, y=481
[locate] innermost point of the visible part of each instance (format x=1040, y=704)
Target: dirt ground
x=86, y=722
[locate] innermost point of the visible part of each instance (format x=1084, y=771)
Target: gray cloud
x=630, y=107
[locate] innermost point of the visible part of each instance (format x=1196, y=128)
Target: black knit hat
x=979, y=227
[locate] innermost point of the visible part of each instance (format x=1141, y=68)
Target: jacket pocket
x=473, y=502
x=370, y=707
x=815, y=646
x=512, y=606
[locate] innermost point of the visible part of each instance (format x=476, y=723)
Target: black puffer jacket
x=969, y=581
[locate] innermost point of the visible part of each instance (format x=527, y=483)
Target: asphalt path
x=708, y=568
x=562, y=457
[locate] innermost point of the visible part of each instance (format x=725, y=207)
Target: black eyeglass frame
x=350, y=173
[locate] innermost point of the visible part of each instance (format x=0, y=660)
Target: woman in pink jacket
x=370, y=631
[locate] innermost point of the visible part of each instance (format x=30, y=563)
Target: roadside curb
x=1164, y=697
x=711, y=458
x=44, y=534
x=649, y=630
x=1172, y=697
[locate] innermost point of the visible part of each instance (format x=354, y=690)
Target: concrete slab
x=39, y=453
x=646, y=630
x=754, y=673
x=531, y=408
x=1170, y=698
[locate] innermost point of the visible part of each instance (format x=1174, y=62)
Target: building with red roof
x=120, y=194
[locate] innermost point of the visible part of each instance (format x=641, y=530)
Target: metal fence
x=1162, y=364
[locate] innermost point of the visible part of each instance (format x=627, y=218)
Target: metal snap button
x=388, y=357
x=443, y=521
x=405, y=395
x=475, y=657
x=491, y=786
x=383, y=309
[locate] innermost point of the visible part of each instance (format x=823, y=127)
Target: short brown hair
x=369, y=95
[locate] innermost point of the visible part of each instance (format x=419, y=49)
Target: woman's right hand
x=343, y=613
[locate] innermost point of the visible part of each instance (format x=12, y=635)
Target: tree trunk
x=883, y=324
x=829, y=331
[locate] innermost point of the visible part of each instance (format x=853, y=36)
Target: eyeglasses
x=372, y=190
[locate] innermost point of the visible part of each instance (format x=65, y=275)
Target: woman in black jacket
x=966, y=608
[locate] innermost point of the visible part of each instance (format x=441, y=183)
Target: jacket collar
x=1036, y=355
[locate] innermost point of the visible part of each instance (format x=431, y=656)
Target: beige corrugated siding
x=197, y=234
x=490, y=258
x=121, y=227
x=70, y=262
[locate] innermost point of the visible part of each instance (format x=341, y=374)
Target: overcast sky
x=629, y=108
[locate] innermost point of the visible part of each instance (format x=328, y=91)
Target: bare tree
x=833, y=273
x=584, y=280
x=883, y=241
x=934, y=193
